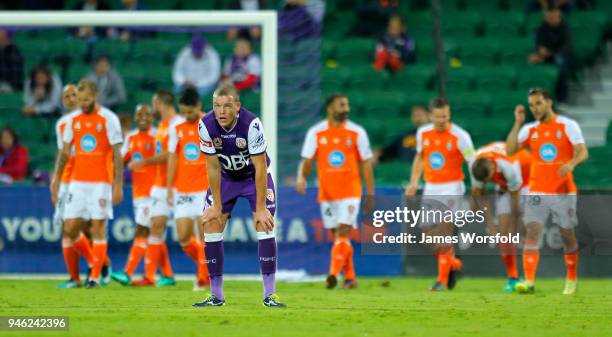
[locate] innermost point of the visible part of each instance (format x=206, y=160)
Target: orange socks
x=99, y=251
x=152, y=257
x=530, y=264
x=339, y=255
x=571, y=265
x=139, y=247
x=508, y=253
x=164, y=261
x=82, y=246
x=71, y=258
x=191, y=249
x=202, y=268
x=445, y=263
x=349, y=266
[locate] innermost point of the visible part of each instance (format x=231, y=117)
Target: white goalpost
x=266, y=19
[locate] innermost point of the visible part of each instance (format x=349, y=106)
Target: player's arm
x=172, y=162
x=581, y=153
x=60, y=163
x=213, y=171
x=159, y=158
x=482, y=202
x=512, y=141
x=418, y=165
x=309, y=150
x=304, y=169
x=118, y=174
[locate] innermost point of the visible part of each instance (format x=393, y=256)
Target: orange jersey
x=60, y=127
x=190, y=175
x=140, y=145
x=161, y=145
x=510, y=173
x=444, y=152
x=93, y=136
x=552, y=145
x=338, y=152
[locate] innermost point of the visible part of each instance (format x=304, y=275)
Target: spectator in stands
x=553, y=42
x=111, y=90
x=295, y=22
x=404, y=147
x=197, y=65
x=396, y=48
x=11, y=64
x=243, y=68
x=566, y=6
x=372, y=15
x=13, y=157
x=92, y=5
x=251, y=33
x=42, y=93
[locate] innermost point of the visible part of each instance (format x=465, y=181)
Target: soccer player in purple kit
x=233, y=141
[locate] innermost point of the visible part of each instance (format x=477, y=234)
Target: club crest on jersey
x=191, y=151
x=449, y=146
x=548, y=152
x=336, y=159
x=558, y=134
x=270, y=195
x=241, y=143
x=77, y=126
x=436, y=160
x=99, y=127
x=217, y=142
x=180, y=134
x=349, y=142
x=534, y=136
x=426, y=142
x=88, y=143
x=323, y=140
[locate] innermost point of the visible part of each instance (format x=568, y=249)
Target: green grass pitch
x=477, y=307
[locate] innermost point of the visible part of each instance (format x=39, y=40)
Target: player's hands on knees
x=301, y=185
x=54, y=188
x=410, y=190
x=211, y=214
x=117, y=194
x=264, y=219
x=134, y=165
x=519, y=114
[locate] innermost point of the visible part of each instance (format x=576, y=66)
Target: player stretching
x=510, y=174
x=340, y=147
x=95, y=133
x=557, y=147
x=157, y=252
x=139, y=144
x=442, y=146
x=233, y=140
x=187, y=176
x=70, y=250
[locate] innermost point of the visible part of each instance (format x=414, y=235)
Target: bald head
x=69, y=97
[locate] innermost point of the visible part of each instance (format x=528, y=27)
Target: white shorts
x=142, y=211
x=159, y=202
x=58, y=214
x=561, y=207
x=89, y=201
x=449, y=194
x=503, y=201
x=189, y=205
x=344, y=211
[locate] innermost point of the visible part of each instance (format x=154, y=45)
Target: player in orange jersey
x=157, y=252
x=95, y=133
x=71, y=256
x=139, y=144
x=442, y=147
x=557, y=147
x=340, y=148
x=510, y=174
x=187, y=182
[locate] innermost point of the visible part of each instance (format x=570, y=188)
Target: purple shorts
x=231, y=190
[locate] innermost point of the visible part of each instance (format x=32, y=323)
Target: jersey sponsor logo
x=217, y=142
x=137, y=156
x=191, y=152
x=548, y=152
x=88, y=143
x=158, y=147
x=336, y=159
x=234, y=162
x=270, y=195
x=241, y=143
x=436, y=160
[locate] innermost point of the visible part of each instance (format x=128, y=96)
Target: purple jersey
x=235, y=147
